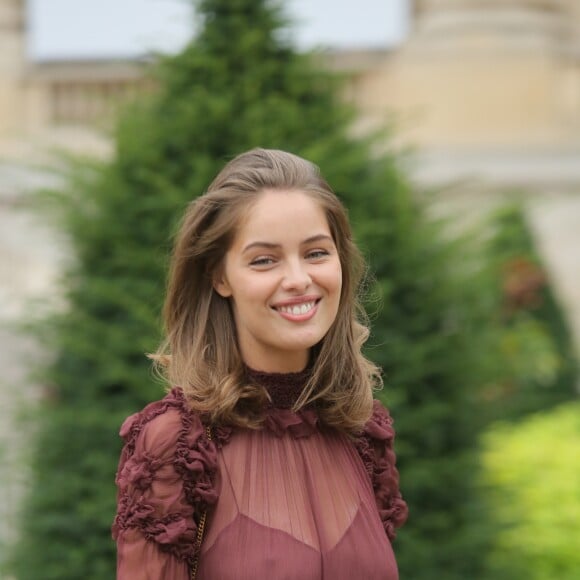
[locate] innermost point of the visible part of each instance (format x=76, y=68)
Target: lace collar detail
x=284, y=389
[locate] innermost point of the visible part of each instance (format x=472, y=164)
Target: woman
x=268, y=458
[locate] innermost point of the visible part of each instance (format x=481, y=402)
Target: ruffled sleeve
x=165, y=481
x=375, y=446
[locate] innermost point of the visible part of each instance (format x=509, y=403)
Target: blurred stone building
x=484, y=85
x=488, y=87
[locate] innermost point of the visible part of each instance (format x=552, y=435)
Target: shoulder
x=158, y=427
x=380, y=425
x=375, y=445
x=376, y=440
x=166, y=475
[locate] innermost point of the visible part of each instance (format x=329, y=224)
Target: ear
x=221, y=286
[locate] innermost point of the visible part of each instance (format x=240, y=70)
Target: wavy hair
x=200, y=352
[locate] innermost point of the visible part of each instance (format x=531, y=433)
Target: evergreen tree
x=240, y=84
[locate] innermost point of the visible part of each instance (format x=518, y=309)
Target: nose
x=296, y=276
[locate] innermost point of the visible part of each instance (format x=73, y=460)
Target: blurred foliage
x=533, y=472
x=240, y=84
x=539, y=367
x=427, y=336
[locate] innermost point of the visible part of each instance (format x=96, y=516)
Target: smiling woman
x=269, y=437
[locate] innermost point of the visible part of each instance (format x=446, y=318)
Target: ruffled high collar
x=284, y=389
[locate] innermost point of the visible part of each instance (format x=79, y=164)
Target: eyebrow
x=270, y=245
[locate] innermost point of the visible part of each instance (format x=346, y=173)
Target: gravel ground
x=30, y=259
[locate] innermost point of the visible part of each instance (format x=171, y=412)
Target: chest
x=294, y=508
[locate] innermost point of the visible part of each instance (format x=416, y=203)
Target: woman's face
x=283, y=277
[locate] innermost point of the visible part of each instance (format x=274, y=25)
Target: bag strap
x=200, y=528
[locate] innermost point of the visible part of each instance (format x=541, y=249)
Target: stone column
x=12, y=65
x=527, y=25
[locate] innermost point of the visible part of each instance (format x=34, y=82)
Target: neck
x=283, y=389
x=289, y=363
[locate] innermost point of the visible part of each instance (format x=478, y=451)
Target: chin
x=303, y=344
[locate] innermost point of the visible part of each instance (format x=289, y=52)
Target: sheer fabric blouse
x=289, y=501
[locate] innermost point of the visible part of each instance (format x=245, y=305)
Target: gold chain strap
x=200, y=529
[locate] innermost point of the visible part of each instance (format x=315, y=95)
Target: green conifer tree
x=237, y=85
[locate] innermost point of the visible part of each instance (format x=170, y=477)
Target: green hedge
x=532, y=468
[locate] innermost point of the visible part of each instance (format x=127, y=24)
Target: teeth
x=297, y=309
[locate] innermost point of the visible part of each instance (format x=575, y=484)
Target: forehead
x=283, y=214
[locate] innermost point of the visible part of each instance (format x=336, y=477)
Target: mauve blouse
x=291, y=501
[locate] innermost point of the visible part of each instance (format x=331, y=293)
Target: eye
x=317, y=254
x=262, y=261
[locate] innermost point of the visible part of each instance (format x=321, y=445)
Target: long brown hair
x=201, y=354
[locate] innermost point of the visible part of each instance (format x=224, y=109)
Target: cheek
x=254, y=289
x=331, y=280
x=337, y=281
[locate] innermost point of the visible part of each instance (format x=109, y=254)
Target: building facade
x=475, y=80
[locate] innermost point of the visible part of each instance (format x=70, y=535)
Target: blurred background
x=465, y=113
